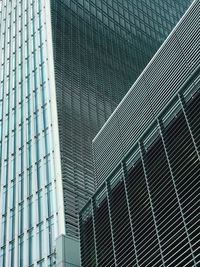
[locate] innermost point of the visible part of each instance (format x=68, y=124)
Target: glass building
x=100, y=48
x=65, y=65
x=146, y=211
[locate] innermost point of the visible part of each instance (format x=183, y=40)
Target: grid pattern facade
x=100, y=48
x=27, y=201
x=147, y=213
x=176, y=61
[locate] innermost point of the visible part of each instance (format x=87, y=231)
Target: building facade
x=65, y=65
x=100, y=48
x=146, y=211
x=29, y=223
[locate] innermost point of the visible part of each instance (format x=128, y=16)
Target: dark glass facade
x=100, y=48
x=148, y=212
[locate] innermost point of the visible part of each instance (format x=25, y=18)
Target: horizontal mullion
x=136, y=185
x=104, y=221
x=189, y=261
x=120, y=223
x=103, y=235
x=139, y=202
x=171, y=230
x=99, y=210
x=87, y=231
x=181, y=169
x=195, y=131
x=169, y=219
x=137, y=170
x=123, y=249
x=179, y=234
x=158, y=157
x=178, y=256
x=160, y=177
x=142, y=244
x=140, y=237
x=104, y=245
x=182, y=158
x=184, y=164
x=122, y=205
x=194, y=234
x=119, y=232
x=155, y=146
x=167, y=187
x=190, y=213
x=176, y=243
x=145, y=258
x=178, y=127
x=132, y=196
x=101, y=251
x=87, y=262
x=163, y=199
x=154, y=246
x=143, y=214
x=182, y=138
x=189, y=172
x=115, y=195
x=194, y=123
x=87, y=228
x=155, y=262
x=159, y=200
x=188, y=190
x=125, y=257
x=88, y=239
x=183, y=141
x=106, y=262
x=139, y=174
x=172, y=208
x=158, y=171
x=126, y=239
x=126, y=261
x=87, y=252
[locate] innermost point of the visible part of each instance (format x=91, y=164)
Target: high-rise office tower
x=146, y=211
x=64, y=67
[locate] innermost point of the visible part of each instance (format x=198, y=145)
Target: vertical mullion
x=141, y=146
x=161, y=127
x=108, y=191
x=183, y=104
x=93, y=223
x=8, y=149
x=123, y=166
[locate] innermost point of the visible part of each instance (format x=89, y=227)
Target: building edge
x=144, y=70
x=58, y=187
x=114, y=115
x=67, y=249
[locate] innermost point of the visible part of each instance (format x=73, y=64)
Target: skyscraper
x=65, y=65
x=146, y=211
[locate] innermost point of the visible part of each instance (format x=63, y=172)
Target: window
x=29, y=181
x=39, y=241
x=3, y=232
x=2, y=257
x=20, y=251
x=12, y=225
x=30, y=212
x=30, y=247
x=21, y=218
